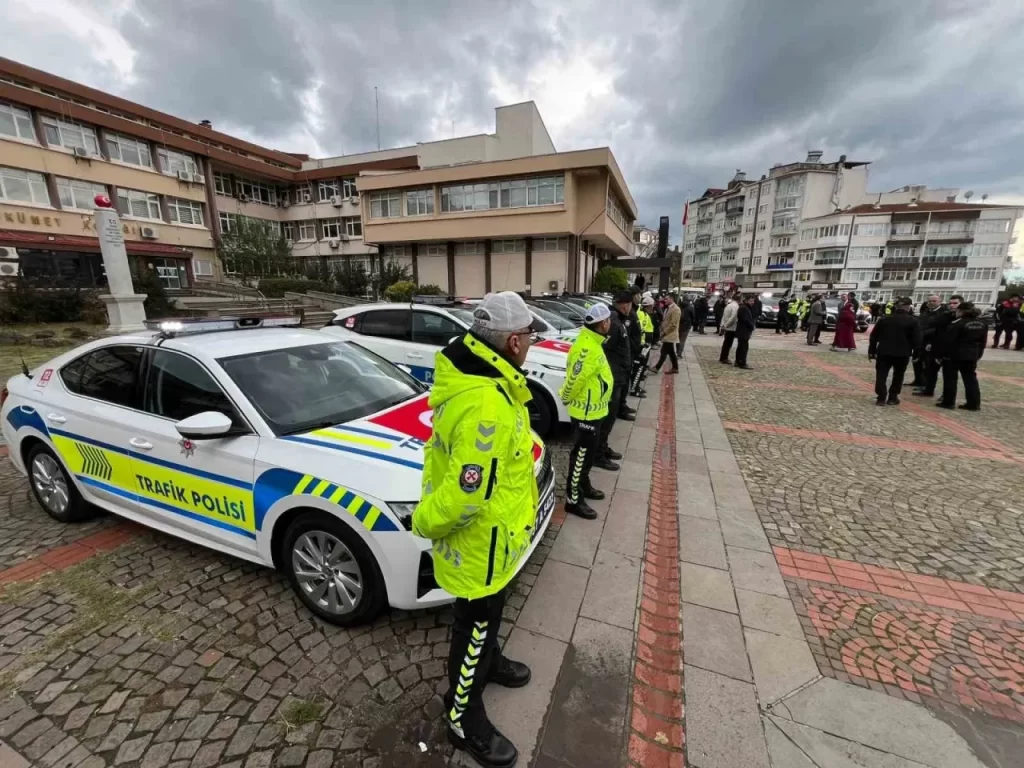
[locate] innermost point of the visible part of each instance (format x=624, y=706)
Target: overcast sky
x=683, y=92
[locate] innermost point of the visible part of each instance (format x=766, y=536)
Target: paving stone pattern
x=162, y=653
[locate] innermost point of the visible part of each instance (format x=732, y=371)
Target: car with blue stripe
x=271, y=443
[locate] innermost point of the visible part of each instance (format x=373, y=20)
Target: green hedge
x=276, y=287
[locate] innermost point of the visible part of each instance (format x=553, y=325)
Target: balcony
x=963, y=234
x=901, y=283
x=938, y=263
x=829, y=262
x=732, y=225
x=904, y=262
x=904, y=236
x=780, y=266
x=783, y=249
x=784, y=229
x=730, y=246
x=703, y=245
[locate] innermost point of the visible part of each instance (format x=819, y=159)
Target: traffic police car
x=411, y=334
x=274, y=444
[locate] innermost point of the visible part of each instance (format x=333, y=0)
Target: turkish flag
x=686, y=212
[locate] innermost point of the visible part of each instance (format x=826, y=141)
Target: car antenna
x=24, y=365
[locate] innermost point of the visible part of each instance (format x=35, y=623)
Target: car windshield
x=317, y=385
x=550, y=318
x=463, y=315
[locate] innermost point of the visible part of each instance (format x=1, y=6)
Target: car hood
x=381, y=455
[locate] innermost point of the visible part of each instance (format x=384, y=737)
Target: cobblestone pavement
x=899, y=531
x=162, y=653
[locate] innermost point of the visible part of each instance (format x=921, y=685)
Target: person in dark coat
x=687, y=321
x=719, y=310
x=963, y=345
x=746, y=321
x=782, y=316
x=1008, y=320
x=932, y=348
x=620, y=359
x=894, y=340
x=700, y=313
x=926, y=369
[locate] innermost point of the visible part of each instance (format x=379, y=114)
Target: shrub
x=610, y=279
x=403, y=290
x=157, y=304
x=275, y=287
x=429, y=290
x=27, y=300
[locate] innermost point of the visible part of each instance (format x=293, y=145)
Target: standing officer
x=893, y=341
x=925, y=367
x=962, y=347
x=479, y=502
x=616, y=348
x=939, y=325
x=719, y=310
x=700, y=314
x=646, y=339
x=782, y=316
x=636, y=341
x=586, y=392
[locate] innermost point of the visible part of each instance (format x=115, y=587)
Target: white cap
x=648, y=301
x=648, y=295
x=597, y=313
x=505, y=311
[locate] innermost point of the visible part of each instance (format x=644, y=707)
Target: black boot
x=590, y=492
x=582, y=509
x=606, y=463
x=491, y=750
x=608, y=453
x=509, y=674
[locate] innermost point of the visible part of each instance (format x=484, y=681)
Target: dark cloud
x=928, y=89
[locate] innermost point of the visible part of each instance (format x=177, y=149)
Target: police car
x=278, y=445
x=411, y=334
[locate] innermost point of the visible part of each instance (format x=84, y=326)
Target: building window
x=750, y=210
x=288, y=229
x=805, y=256
x=780, y=242
x=900, y=254
x=762, y=226
x=172, y=161
x=78, y=194
x=185, y=211
x=865, y=252
x=515, y=193
x=542, y=244
x=992, y=227
x=861, y=275
x=759, y=243
x=307, y=230
x=23, y=187
x=385, y=205
x=60, y=133
x=396, y=251
x=325, y=190
x=130, y=151
x=229, y=222
x=951, y=228
x=222, y=184
x=830, y=257
x=419, y=202
x=202, y=267
x=762, y=208
x=877, y=229
x=716, y=241
x=987, y=273
x=802, y=276
x=944, y=275
x=716, y=257
x=947, y=252
x=471, y=248
x=508, y=246
x=256, y=192
x=302, y=193
x=907, y=227
x=16, y=122
x=758, y=260
x=353, y=226
x=746, y=243
x=433, y=249
x=138, y=204
x=720, y=208
x=749, y=227
x=331, y=229
x=348, y=187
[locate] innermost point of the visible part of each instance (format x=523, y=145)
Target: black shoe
x=894, y=401
x=923, y=393
x=491, y=751
x=819, y=342
x=592, y=493
x=582, y=509
x=653, y=371
x=613, y=455
x=880, y=401
x=966, y=407
x=627, y=416
x=607, y=464
x=509, y=674
x=725, y=362
x=672, y=370
x=744, y=367
x=947, y=406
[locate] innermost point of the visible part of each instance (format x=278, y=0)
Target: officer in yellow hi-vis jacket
x=479, y=506
x=586, y=392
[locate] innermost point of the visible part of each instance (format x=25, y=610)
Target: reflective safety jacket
x=794, y=307
x=646, y=326
x=805, y=309
x=889, y=306
x=479, y=502
x=588, y=378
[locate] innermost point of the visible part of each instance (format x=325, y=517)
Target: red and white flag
x=686, y=212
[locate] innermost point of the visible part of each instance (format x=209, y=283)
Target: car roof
x=219, y=344
x=346, y=311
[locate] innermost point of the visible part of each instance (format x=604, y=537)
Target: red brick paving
x=657, y=735
x=1003, y=379
x=59, y=558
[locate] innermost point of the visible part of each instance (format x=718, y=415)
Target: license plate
x=547, y=504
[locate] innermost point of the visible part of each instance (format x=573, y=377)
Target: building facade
x=181, y=186
x=645, y=242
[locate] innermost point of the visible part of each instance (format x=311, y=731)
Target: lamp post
x=125, y=309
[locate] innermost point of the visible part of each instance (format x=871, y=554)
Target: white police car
x=411, y=334
x=274, y=444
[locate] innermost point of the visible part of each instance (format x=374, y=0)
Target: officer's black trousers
x=968, y=371
x=473, y=653
x=581, y=458
x=884, y=364
x=931, y=372
x=639, y=370
x=614, y=407
x=668, y=352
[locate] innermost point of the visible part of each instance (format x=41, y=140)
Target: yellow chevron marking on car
x=90, y=460
x=345, y=437
x=351, y=502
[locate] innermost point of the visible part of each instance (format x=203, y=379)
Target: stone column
x=124, y=307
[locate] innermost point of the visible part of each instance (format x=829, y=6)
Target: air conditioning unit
x=148, y=233
x=198, y=178
x=354, y=199
x=307, y=198
x=9, y=254
x=243, y=198
x=336, y=201
x=83, y=152
x=345, y=238
x=284, y=202
x=8, y=269
x=333, y=243
x=184, y=176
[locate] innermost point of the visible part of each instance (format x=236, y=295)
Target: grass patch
x=299, y=712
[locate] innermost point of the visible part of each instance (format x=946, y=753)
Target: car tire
x=53, y=487
x=356, y=576
x=541, y=416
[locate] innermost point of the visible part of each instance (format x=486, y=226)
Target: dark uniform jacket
x=965, y=339
x=1009, y=315
x=616, y=347
x=938, y=337
x=896, y=335
x=686, y=317
x=635, y=333
x=930, y=319
x=745, y=321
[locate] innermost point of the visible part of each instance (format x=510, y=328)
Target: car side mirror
x=204, y=426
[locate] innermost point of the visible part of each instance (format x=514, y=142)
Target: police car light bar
x=169, y=328
x=437, y=300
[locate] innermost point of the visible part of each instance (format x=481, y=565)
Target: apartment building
x=180, y=186
x=538, y=223
x=907, y=249
x=739, y=234
x=645, y=242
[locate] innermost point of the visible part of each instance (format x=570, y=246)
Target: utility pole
x=376, y=107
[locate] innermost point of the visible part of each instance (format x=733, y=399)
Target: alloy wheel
x=49, y=482
x=327, y=572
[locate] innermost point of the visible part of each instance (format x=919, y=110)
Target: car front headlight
x=403, y=511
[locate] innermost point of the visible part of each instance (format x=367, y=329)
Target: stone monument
x=124, y=307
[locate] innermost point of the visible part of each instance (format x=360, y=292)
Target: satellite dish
x=968, y=194
x=984, y=197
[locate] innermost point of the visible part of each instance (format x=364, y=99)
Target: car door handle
x=142, y=445
x=415, y=355
x=55, y=418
